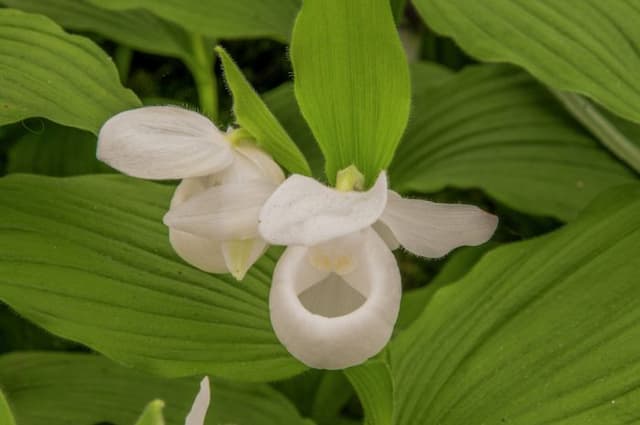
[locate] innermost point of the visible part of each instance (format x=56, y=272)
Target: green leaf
x=374, y=384
x=220, y=18
x=493, y=127
x=254, y=116
x=64, y=78
x=458, y=264
x=554, y=40
x=152, y=414
x=543, y=331
x=351, y=82
x=89, y=259
x=602, y=124
x=83, y=389
x=137, y=29
x=6, y=417
x=282, y=103
x=55, y=151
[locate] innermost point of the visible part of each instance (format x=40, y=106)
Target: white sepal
x=431, y=230
x=225, y=212
x=240, y=255
x=163, y=142
x=304, y=212
x=333, y=321
x=200, y=406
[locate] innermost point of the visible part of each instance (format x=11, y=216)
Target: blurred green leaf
x=49, y=73
x=220, y=18
x=84, y=389
x=89, y=259
x=152, y=414
x=55, y=151
x=6, y=417
x=543, y=331
x=254, y=116
x=554, y=40
x=493, y=127
x=138, y=29
x=351, y=82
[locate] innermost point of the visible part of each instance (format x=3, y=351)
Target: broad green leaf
x=55, y=151
x=152, y=414
x=84, y=389
x=331, y=395
x=458, y=264
x=6, y=417
x=374, y=384
x=89, y=259
x=610, y=129
x=137, y=29
x=282, y=103
x=539, y=332
x=351, y=82
x=586, y=46
x=254, y=116
x=493, y=127
x=220, y=18
x=64, y=78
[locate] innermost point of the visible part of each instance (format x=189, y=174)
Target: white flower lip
x=334, y=340
x=302, y=211
x=163, y=142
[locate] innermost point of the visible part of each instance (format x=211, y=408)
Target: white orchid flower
x=200, y=406
x=213, y=217
x=336, y=289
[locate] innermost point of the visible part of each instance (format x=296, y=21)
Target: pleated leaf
x=493, y=127
x=254, y=116
x=6, y=417
x=81, y=389
x=586, y=46
x=138, y=29
x=89, y=259
x=539, y=332
x=55, y=151
x=45, y=72
x=220, y=18
x=351, y=82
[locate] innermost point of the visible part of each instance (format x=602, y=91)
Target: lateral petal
x=302, y=211
x=431, y=230
x=335, y=336
x=226, y=212
x=200, y=406
x=163, y=142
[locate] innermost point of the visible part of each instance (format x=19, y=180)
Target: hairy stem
x=201, y=68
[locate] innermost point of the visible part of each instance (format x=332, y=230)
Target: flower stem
x=201, y=67
x=589, y=116
x=122, y=57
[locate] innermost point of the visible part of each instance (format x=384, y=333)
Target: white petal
x=198, y=411
x=252, y=163
x=432, y=230
x=225, y=212
x=163, y=142
x=328, y=336
x=240, y=255
x=304, y=212
x=386, y=234
x=203, y=253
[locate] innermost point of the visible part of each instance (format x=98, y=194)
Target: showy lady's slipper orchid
x=336, y=289
x=213, y=217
